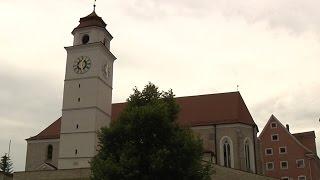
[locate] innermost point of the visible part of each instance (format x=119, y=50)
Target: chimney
x=287, y=126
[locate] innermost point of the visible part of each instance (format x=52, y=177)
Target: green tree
x=146, y=143
x=6, y=164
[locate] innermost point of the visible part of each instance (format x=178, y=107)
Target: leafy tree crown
x=6, y=164
x=146, y=143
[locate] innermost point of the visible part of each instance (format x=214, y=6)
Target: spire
x=94, y=6
x=91, y=20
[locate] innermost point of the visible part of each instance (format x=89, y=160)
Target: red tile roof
x=307, y=139
x=224, y=108
x=51, y=132
x=91, y=20
x=305, y=134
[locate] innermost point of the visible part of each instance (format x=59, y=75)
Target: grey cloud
x=28, y=104
x=296, y=107
x=300, y=109
x=295, y=15
x=24, y=94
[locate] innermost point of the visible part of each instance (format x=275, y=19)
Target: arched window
x=226, y=152
x=249, y=155
x=49, y=152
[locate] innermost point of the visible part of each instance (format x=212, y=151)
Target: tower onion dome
x=91, y=20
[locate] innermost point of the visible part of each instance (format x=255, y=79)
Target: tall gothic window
x=226, y=158
x=247, y=155
x=49, y=152
x=226, y=154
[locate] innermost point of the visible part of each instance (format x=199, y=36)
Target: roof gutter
x=254, y=148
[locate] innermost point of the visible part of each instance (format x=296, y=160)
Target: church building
x=223, y=120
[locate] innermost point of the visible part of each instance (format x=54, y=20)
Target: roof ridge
x=303, y=132
x=231, y=92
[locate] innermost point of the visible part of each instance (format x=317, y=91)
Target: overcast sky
x=270, y=48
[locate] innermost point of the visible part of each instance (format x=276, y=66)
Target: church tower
x=87, y=92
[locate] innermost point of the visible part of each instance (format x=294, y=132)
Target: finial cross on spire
x=94, y=5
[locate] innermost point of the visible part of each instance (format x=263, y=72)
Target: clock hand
x=81, y=64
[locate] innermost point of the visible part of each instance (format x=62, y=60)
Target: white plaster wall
x=85, y=143
x=92, y=93
x=102, y=120
x=104, y=97
x=85, y=118
x=37, y=153
x=87, y=93
x=99, y=56
x=74, y=163
x=96, y=34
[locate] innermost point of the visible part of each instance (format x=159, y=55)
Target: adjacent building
x=288, y=156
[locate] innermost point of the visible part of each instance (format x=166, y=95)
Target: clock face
x=106, y=70
x=82, y=64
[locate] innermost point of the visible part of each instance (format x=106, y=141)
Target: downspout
x=215, y=143
x=310, y=168
x=254, y=149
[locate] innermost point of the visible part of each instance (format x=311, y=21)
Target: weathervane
x=94, y=5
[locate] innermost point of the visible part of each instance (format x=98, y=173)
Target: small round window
x=85, y=39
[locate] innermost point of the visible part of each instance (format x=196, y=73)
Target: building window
x=226, y=152
x=85, y=39
x=300, y=163
x=76, y=151
x=273, y=125
x=77, y=126
x=78, y=99
x=247, y=155
x=269, y=151
x=274, y=137
x=104, y=41
x=269, y=166
x=282, y=150
x=49, y=152
x=284, y=178
x=302, y=177
x=284, y=164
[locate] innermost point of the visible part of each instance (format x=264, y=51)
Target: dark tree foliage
x=6, y=164
x=145, y=142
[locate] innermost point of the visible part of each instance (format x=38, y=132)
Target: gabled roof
x=51, y=132
x=307, y=139
x=46, y=167
x=202, y=110
x=223, y=108
x=273, y=118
